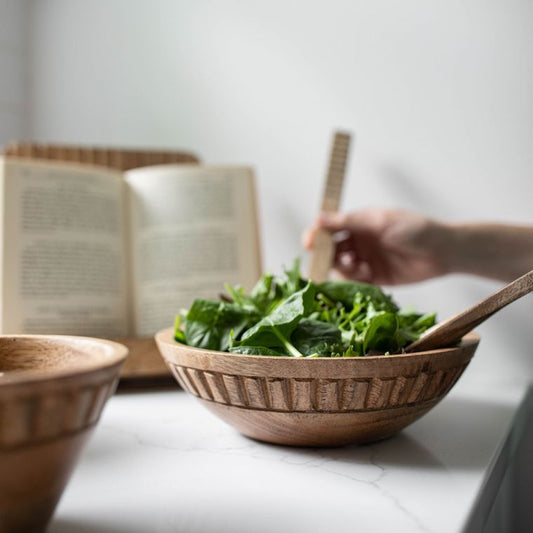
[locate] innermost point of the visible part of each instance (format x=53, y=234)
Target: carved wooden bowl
x=317, y=402
x=52, y=391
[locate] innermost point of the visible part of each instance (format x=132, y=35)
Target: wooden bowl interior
x=25, y=356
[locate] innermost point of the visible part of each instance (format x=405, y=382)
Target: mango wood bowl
x=52, y=392
x=317, y=402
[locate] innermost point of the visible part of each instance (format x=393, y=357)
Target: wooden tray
x=144, y=365
x=116, y=158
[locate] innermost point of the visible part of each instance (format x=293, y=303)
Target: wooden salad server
x=323, y=247
x=452, y=330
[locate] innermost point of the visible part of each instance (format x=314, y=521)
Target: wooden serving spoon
x=452, y=330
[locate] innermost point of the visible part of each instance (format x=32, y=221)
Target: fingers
x=350, y=268
x=308, y=238
x=333, y=221
x=349, y=264
x=330, y=221
x=347, y=261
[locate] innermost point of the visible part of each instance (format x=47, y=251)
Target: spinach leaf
x=411, y=325
x=294, y=282
x=312, y=337
x=379, y=334
x=348, y=293
x=179, y=335
x=274, y=329
x=254, y=350
x=264, y=294
x=288, y=315
x=211, y=325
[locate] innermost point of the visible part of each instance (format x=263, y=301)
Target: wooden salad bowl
x=317, y=402
x=52, y=392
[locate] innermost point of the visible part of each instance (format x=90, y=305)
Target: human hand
x=385, y=246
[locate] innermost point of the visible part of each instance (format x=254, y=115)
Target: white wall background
x=439, y=95
x=13, y=69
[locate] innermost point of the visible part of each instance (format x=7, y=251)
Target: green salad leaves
x=291, y=316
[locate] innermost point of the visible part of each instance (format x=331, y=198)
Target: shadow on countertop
x=457, y=433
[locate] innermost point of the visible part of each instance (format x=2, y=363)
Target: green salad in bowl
x=291, y=316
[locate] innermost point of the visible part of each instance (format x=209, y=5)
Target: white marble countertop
x=159, y=461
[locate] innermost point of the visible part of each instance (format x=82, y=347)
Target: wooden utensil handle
x=323, y=247
x=452, y=329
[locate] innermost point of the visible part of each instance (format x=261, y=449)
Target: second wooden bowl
x=317, y=402
x=52, y=392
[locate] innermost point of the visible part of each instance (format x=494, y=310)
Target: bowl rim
x=166, y=336
x=115, y=356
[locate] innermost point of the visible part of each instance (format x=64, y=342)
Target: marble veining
x=176, y=467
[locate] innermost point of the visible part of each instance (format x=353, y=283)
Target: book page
x=192, y=229
x=63, y=249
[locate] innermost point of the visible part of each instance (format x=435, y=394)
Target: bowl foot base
x=319, y=429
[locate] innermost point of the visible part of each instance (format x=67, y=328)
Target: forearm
x=498, y=251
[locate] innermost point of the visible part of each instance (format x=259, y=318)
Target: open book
x=88, y=250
